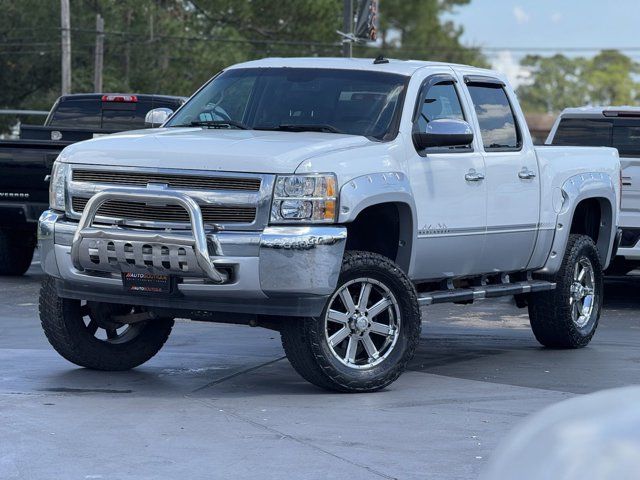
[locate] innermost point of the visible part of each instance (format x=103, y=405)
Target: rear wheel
x=85, y=333
x=367, y=332
x=567, y=317
x=16, y=251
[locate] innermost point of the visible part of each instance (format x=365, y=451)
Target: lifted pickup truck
x=25, y=164
x=328, y=199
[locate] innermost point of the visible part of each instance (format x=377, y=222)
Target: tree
x=609, y=78
x=173, y=46
x=556, y=83
x=559, y=82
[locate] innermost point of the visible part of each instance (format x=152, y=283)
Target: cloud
x=505, y=62
x=556, y=17
x=521, y=15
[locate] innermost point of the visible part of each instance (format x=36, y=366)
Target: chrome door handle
x=526, y=174
x=473, y=176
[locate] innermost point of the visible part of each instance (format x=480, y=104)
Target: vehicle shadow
x=622, y=292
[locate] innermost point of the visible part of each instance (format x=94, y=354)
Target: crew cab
x=25, y=163
x=328, y=199
x=617, y=127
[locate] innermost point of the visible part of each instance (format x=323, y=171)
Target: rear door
x=512, y=177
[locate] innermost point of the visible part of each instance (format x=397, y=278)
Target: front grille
x=188, y=182
x=168, y=213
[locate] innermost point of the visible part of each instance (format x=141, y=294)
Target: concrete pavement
x=221, y=402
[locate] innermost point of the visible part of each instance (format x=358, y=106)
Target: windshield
x=298, y=99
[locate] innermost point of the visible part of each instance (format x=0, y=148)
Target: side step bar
x=485, y=291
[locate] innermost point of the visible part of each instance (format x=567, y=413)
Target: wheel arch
x=384, y=228
x=593, y=217
x=373, y=203
x=588, y=208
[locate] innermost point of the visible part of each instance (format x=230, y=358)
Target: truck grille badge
x=13, y=195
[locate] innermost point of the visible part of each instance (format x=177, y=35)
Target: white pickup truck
x=617, y=127
x=328, y=199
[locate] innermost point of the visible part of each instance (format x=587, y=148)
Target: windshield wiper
x=217, y=124
x=301, y=127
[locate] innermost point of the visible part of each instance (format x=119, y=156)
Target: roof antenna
x=380, y=59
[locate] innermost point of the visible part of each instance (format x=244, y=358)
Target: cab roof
x=401, y=67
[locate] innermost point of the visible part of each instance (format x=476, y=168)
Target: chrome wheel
x=582, y=297
x=362, y=323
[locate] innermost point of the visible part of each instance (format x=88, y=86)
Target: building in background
x=540, y=125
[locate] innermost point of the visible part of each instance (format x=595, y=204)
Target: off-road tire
x=307, y=349
x=16, y=252
x=550, y=312
x=63, y=325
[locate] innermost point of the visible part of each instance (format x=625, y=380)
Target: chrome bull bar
x=129, y=250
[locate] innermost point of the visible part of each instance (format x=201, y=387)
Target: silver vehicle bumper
x=288, y=270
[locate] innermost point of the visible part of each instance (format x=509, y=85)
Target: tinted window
x=626, y=138
x=349, y=101
x=77, y=113
x=441, y=101
x=122, y=120
x=583, y=132
x=498, y=126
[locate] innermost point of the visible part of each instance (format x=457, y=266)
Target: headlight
x=57, y=186
x=304, y=198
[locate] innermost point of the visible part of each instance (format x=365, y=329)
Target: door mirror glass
x=444, y=133
x=156, y=117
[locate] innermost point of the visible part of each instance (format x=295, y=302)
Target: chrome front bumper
x=288, y=270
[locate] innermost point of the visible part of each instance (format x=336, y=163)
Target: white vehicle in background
x=617, y=127
x=328, y=199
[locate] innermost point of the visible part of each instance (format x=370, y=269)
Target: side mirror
x=156, y=117
x=444, y=132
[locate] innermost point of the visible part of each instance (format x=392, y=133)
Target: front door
x=449, y=190
x=512, y=178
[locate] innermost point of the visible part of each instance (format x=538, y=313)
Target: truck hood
x=249, y=151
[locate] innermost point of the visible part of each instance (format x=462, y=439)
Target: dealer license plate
x=147, y=283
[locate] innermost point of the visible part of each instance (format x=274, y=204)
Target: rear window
x=623, y=134
x=80, y=113
x=94, y=114
x=626, y=138
x=584, y=133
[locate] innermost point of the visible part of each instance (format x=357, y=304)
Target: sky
x=509, y=29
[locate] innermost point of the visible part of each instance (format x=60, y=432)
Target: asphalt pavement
x=222, y=402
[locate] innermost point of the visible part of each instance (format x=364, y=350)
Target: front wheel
x=86, y=334
x=367, y=332
x=567, y=317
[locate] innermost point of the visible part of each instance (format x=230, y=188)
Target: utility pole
x=347, y=26
x=99, y=60
x=65, y=24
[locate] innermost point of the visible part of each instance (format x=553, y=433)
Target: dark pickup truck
x=25, y=164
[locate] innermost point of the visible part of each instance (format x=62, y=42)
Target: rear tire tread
x=550, y=312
